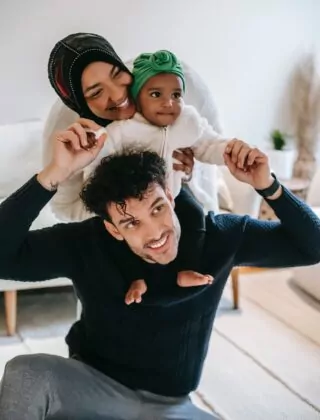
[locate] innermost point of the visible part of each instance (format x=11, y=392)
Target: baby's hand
x=192, y=278
x=135, y=292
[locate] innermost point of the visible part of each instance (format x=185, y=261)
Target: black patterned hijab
x=67, y=61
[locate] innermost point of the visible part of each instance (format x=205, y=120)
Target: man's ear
x=170, y=196
x=113, y=230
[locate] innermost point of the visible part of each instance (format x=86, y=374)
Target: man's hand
x=73, y=150
x=248, y=164
x=186, y=162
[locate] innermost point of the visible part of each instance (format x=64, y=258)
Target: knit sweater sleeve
x=294, y=240
x=66, y=204
x=37, y=254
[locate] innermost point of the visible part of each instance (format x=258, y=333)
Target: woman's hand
x=186, y=159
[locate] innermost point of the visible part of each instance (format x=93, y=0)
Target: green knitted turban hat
x=148, y=65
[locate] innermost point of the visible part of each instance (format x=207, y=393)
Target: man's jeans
x=37, y=387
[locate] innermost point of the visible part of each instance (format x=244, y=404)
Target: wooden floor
x=263, y=362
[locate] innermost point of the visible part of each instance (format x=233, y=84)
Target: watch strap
x=268, y=192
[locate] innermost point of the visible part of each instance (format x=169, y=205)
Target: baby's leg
x=192, y=279
x=135, y=292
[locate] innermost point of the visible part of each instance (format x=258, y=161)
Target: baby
x=163, y=124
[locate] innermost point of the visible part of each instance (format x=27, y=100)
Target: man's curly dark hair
x=120, y=176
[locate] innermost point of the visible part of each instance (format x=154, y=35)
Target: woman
x=92, y=82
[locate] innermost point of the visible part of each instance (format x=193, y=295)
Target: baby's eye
x=177, y=95
x=155, y=94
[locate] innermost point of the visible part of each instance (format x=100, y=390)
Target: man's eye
x=132, y=224
x=158, y=209
x=177, y=95
x=155, y=94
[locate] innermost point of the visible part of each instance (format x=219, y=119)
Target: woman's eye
x=95, y=94
x=116, y=72
x=155, y=94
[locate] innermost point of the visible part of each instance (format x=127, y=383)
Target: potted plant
x=281, y=156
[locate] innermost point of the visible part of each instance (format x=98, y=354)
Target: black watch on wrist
x=268, y=192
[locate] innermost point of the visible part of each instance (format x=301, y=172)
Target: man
x=139, y=361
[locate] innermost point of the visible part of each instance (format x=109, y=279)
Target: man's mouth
x=158, y=245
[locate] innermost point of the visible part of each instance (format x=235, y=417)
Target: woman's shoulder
x=59, y=117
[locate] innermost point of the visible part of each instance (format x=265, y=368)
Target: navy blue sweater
x=159, y=345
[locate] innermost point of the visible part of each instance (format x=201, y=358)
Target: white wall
x=245, y=49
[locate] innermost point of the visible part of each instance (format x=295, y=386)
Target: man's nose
x=153, y=232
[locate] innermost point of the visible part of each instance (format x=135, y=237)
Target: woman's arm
x=66, y=204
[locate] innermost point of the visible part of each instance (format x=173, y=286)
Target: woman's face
x=105, y=88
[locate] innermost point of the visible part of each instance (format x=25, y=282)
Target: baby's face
x=160, y=100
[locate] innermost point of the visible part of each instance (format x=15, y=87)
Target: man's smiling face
x=149, y=225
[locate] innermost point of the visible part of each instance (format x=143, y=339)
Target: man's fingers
x=236, y=146
x=185, y=156
x=230, y=146
x=228, y=162
x=243, y=156
x=187, y=151
x=256, y=155
x=178, y=167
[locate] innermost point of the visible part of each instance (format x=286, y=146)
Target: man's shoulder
x=80, y=229
x=225, y=225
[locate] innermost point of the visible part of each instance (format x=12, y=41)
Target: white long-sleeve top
x=66, y=203
x=189, y=130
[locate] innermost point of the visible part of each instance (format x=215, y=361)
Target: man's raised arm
x=46, y=253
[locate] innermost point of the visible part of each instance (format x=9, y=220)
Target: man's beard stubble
x=175, y=232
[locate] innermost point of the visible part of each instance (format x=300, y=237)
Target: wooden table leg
x=10, y=307
x=235, y=287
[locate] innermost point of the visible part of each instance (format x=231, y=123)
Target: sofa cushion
x=20, y=154
x=224, y=194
